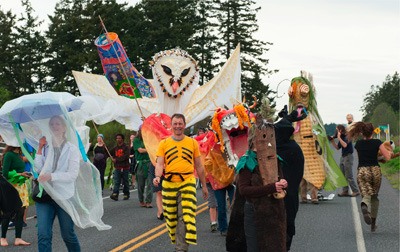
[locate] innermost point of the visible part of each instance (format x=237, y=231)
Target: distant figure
x=201, y=131
x=212, y=206
x=120, y=158
x=100, y=157
x=144, y=183
x=350, y=121
x=369, y=173
x=349, y=118
x=346, y=161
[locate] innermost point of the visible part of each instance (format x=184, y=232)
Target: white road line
x=357, y=226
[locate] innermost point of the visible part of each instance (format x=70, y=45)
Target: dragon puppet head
x=231, y=127
x=175, y=70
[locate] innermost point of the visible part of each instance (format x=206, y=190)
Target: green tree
x=165, y=25
x=387, y=93
x=5, y=95
x=330, y=128
x=237, y=24
x=72, y=31
x=29, y=46
x=383, y=114
x=205, y=48
x=7, y=24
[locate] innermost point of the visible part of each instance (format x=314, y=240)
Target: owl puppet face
x=175, y=70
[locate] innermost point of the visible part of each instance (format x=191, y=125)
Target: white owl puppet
x=176, y=77
x=175, y=83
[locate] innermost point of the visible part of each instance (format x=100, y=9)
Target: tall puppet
x=320, y=168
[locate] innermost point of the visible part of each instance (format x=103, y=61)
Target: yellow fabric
x=314, y=171
x=169, y=199
x=179, y=157
x=23, y=193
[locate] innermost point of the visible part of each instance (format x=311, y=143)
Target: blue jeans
x=46, y=213
x=220, y=195
x=118, y=174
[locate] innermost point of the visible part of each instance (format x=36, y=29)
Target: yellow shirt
x=179, y=157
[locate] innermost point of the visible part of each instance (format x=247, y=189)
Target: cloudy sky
x=348, y=45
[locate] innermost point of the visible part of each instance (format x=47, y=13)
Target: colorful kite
x=119, y=70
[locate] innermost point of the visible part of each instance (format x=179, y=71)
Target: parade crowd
x=247, y=213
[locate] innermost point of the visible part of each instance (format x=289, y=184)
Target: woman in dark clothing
x=292, y=166
x=14, y=172
x=100, y=157
x=369, y=173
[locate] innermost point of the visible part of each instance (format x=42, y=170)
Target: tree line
x=381, y=104
x=37, y=61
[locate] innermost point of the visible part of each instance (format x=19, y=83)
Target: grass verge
x=391, y=170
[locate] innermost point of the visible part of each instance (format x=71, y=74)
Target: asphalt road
x=335, y=225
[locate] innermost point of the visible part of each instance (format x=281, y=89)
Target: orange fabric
x=217, y=172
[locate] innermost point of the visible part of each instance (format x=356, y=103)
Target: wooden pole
x=122, y=66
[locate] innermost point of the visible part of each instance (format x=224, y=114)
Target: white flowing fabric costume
x=75, y=181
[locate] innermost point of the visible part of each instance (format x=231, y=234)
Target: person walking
x=100, y=157
x=180, y=155
x=64, y=157
x=120, y=158
x=221, y=196
x=212, y=208
x=346, y=161
x=369, y=173
x=144, y=183
x=14, y=172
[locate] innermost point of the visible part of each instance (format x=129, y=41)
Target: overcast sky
x=348, y=45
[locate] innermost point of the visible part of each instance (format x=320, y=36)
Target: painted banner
x=114, y=61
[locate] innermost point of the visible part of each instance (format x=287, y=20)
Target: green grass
x=391, y=170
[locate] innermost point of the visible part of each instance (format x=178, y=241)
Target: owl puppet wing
x=223, y=89
x=105, y=105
